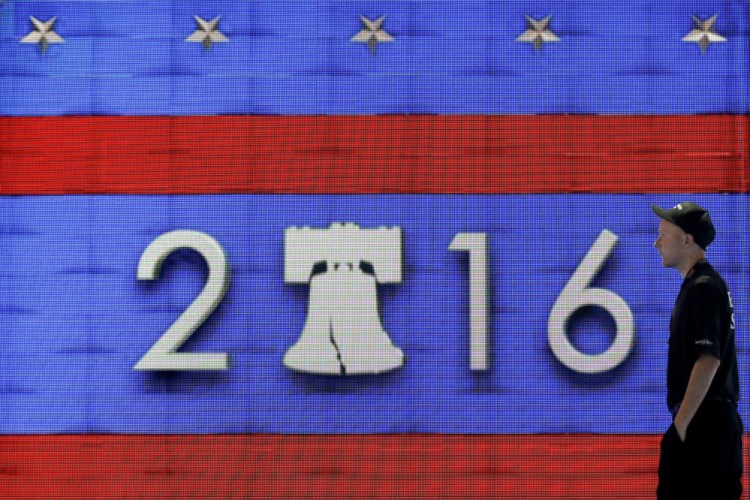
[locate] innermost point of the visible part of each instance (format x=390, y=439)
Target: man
x=701, y=452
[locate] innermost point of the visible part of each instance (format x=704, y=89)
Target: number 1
x=476, y=245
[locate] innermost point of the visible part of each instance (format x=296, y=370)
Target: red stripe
x=386, y=466
x=374, y=154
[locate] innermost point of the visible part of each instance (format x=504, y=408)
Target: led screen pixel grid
x=90, y=340
x=97, y=164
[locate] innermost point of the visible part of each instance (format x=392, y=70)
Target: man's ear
x=689, y=239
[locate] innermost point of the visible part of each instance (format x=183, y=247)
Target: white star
x=703, y=33
x=537, y=32
x=207, y=33
x=372, y=33
x=43, y=34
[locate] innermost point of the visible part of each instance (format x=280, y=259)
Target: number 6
x=576, y=295
x=163, y=355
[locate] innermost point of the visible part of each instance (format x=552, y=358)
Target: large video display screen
x=293, y=230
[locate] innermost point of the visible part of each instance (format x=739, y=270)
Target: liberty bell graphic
x=343, y=264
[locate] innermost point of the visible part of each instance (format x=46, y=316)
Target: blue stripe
x=449, y=57
x=76, y=319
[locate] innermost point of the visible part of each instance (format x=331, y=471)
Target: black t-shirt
x=702, y=323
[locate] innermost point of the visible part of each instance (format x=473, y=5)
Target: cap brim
x=662, y=213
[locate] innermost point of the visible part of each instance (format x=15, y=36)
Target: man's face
x=670, y=243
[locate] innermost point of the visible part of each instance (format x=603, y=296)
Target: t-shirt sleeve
x=704, y=320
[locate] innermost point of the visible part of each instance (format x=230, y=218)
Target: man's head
x=685, y=232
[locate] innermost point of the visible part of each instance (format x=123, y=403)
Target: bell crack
x=335, y=346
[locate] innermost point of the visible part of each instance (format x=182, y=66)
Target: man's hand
x=681, y=430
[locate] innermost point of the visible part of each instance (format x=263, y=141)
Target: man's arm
x=701, y=376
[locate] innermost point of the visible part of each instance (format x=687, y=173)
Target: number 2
x=163, y=354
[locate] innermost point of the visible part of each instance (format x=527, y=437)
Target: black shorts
x=708, y=464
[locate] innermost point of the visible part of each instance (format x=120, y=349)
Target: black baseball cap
x=691, y=218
